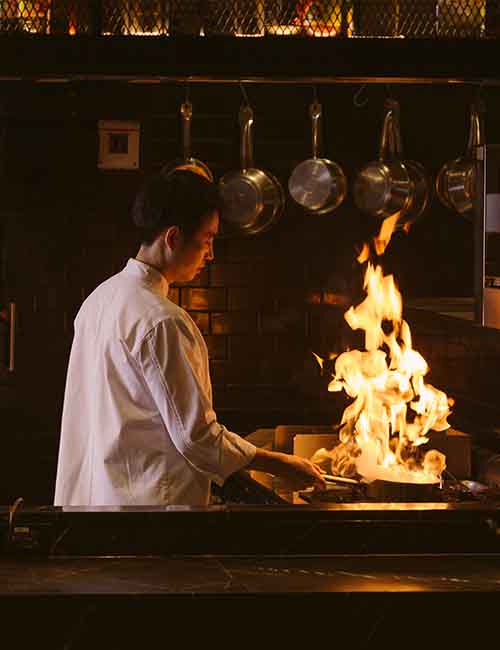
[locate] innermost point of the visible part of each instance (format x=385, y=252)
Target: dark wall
x=267, y=301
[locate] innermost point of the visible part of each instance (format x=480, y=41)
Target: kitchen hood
x=281, y=40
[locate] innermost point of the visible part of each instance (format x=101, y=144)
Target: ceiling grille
x=313, y=18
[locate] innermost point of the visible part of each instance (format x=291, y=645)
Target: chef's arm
x=171, y=361
x=297, y=471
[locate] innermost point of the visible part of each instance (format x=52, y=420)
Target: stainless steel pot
x=419, y=181
x=253, y=199
x=420, y=194
x=456, y=182
x=187, y=161
x=384, y=186
x=317, y=184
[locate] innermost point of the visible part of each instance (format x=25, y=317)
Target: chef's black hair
x=181, y=198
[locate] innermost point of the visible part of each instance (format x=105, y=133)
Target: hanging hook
x=356, y=99
x=315, y=94
x=186, y=90
x=244, y=93
x=388, y=90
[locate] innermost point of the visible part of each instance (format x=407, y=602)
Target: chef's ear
x=172, y=237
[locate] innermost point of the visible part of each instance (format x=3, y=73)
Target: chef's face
x=193, y=252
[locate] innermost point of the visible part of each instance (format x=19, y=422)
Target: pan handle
x=246, y=121
x=398, y=147
x=476, y=129
x=315, y=113
x=390, y=141
x=187, y=114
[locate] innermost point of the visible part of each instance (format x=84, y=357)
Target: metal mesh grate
x=342, y=18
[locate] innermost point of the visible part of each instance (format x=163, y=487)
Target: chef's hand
x=299, y=472
x=302, y=474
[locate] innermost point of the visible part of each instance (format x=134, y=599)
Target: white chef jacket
x=138, y=426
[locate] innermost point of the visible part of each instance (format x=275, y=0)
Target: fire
x=393, y=410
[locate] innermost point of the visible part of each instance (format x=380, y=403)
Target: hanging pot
x=419, y=181
x=393, y=181
x=187, y=161
x=420, y=198
x=253, y=199
x=384, y=186
x=317, y=184
x=456, y=180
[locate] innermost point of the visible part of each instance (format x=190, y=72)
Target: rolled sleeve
x=175, y=369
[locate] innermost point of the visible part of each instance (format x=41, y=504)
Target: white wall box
x=119, y=144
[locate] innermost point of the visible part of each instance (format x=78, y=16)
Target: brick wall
x=463, y=359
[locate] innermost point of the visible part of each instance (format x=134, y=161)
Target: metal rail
x=273, y=80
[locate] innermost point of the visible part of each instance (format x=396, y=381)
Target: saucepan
x=391, y=184
x=317, y=184
x=383, y=186
x=187, y=161
x=253, y=199
x=419, y=180
x=456, y=182
x=420, y=196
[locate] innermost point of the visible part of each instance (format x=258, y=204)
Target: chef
x=138, y=425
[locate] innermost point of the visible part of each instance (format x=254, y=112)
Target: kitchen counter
x=348, y=573
x=192, y=575
x=116, y=577
x=462, y=307
x=358, y=601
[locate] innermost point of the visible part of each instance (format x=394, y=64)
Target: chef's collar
x=149, y=274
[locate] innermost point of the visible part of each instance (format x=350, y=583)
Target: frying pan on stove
x=397, y=491
x=253, y=199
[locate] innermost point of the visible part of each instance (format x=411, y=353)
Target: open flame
x=394, y=411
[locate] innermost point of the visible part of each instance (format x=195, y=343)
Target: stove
x=260, y=517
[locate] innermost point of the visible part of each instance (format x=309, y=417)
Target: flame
x=383, y=238
x=319, y=360
x=364, y=256
x=393, y=410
